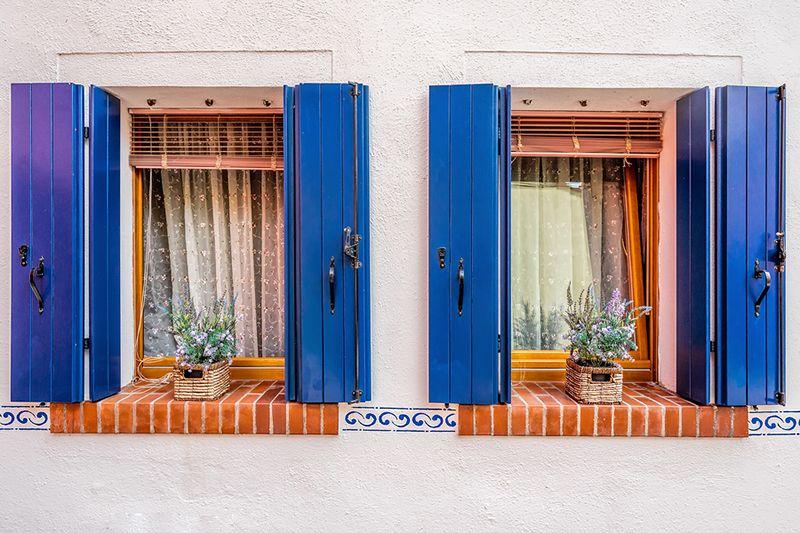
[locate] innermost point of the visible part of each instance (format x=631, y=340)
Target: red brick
x=278, y=414
x=552, y=423
x=313, y=419
x=655, y=421
x=604, y=421
x=622, y=414
x=262, y=417
x=89, y=414
x=638, y=421
x=672, y=421
x=58, y=417
x=569, y=420
x=177, y=416
x=465, y=422
x=724, y=425
x=295, y=418
x=161, y=414
x=741, y=417
x=706, y=421
x=689, y=422
x=483, y=420
x=519, y=420
x=124, y=417
x=535, y=420
x=245, y=418
x=500, y=420
x=194, y=417
x=73, y=418
x=587, y=420
x=330, y=419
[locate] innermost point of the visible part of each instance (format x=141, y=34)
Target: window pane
x=214, y=234
x=568, y=227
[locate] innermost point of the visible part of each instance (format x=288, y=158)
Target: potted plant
x=206, y=344
x=597, y=339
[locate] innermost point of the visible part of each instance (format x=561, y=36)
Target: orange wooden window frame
x=548, y=365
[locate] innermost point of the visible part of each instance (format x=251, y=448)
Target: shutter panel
x=330, y=195
x=750, y=353
x=290, y=375
x=693, y=246
x=104, y=246
x=466, y=199
x=47, y=218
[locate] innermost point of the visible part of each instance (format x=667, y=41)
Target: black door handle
x=460, y=286
x=332, y=283
x=758, y=274
x=37, y=272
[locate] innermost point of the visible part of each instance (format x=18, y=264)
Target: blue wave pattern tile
x=774, y=423
x=24, y=417
x=400, y=419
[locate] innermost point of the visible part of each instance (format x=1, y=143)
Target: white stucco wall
x=399, y=481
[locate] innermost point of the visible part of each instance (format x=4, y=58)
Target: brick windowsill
x=647, y=410
x=249, y=407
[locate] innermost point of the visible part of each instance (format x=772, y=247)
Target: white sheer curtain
x=567, y=228
x=215, y=234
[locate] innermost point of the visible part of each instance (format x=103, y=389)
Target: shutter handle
x=758, y=274
x=332, y=283
x=460, y=286
x=37, y=272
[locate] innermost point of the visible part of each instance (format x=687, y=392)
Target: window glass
x=211, y=234
x=568, y=227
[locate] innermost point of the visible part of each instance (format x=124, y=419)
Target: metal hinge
x=86, y=132
x=712, y=346
x=86, y=343
x=781, y=94
x=351, y=242
x=780, y=397
x=499, y=343
x=712, y=135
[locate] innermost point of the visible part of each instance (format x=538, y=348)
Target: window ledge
x=250, y=407
x=647, y=410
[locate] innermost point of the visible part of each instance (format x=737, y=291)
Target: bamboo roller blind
x=239, y=139
x=543, y=133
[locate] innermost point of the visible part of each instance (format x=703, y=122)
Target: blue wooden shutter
x=468, y=219
x=329, y=148
x=693, y=246
x=47, y=218
x=104, y=247
x=750, y=147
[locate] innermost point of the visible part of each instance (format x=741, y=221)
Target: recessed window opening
x=583, y=188
x=209, y=224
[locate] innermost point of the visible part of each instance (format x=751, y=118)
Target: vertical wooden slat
x=692, y=294
x=104, y=244
x=364, y=300
x=505, y=244
x=345, y=272
x=290, y=288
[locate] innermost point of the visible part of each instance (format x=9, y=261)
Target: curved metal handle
x=460, y=286
x=758, y=274
x=332, y=283
x=37, y=272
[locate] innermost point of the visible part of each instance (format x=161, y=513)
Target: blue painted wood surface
x=693, y=246
x=465, y=190
x=104, y=244
x=47, y=215
x=290, y=362
x=749, y=365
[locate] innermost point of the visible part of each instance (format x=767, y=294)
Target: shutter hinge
x=781, y=94
x=712, y=135
x=780, y=397
x=86, y=343
x=499, y=343
x=712, y=346
x=86, y=132
x=351, y=242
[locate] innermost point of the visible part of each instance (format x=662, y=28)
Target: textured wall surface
x=399, y=481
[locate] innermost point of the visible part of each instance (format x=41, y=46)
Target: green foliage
x=537, y=330
x=600, y=336
x=203, y=337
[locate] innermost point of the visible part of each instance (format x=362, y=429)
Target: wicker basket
x=196, y=383
x=591, y=384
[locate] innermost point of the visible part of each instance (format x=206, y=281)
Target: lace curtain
x=567, y=227
x=210, y=234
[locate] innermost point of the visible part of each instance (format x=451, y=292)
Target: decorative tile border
x=400, y=419
x=774, y=423
x=24, y=417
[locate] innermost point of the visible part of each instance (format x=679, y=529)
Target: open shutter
x=693, y=246
x=104, y=247
x=330, y=358
x=750, y=222
x=47, y=242
x=468, y=219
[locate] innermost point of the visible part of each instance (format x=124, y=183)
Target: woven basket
x=196, y=383
x=592, y=384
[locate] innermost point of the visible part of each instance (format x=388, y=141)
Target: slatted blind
x=543, y=133
x=245, y=139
